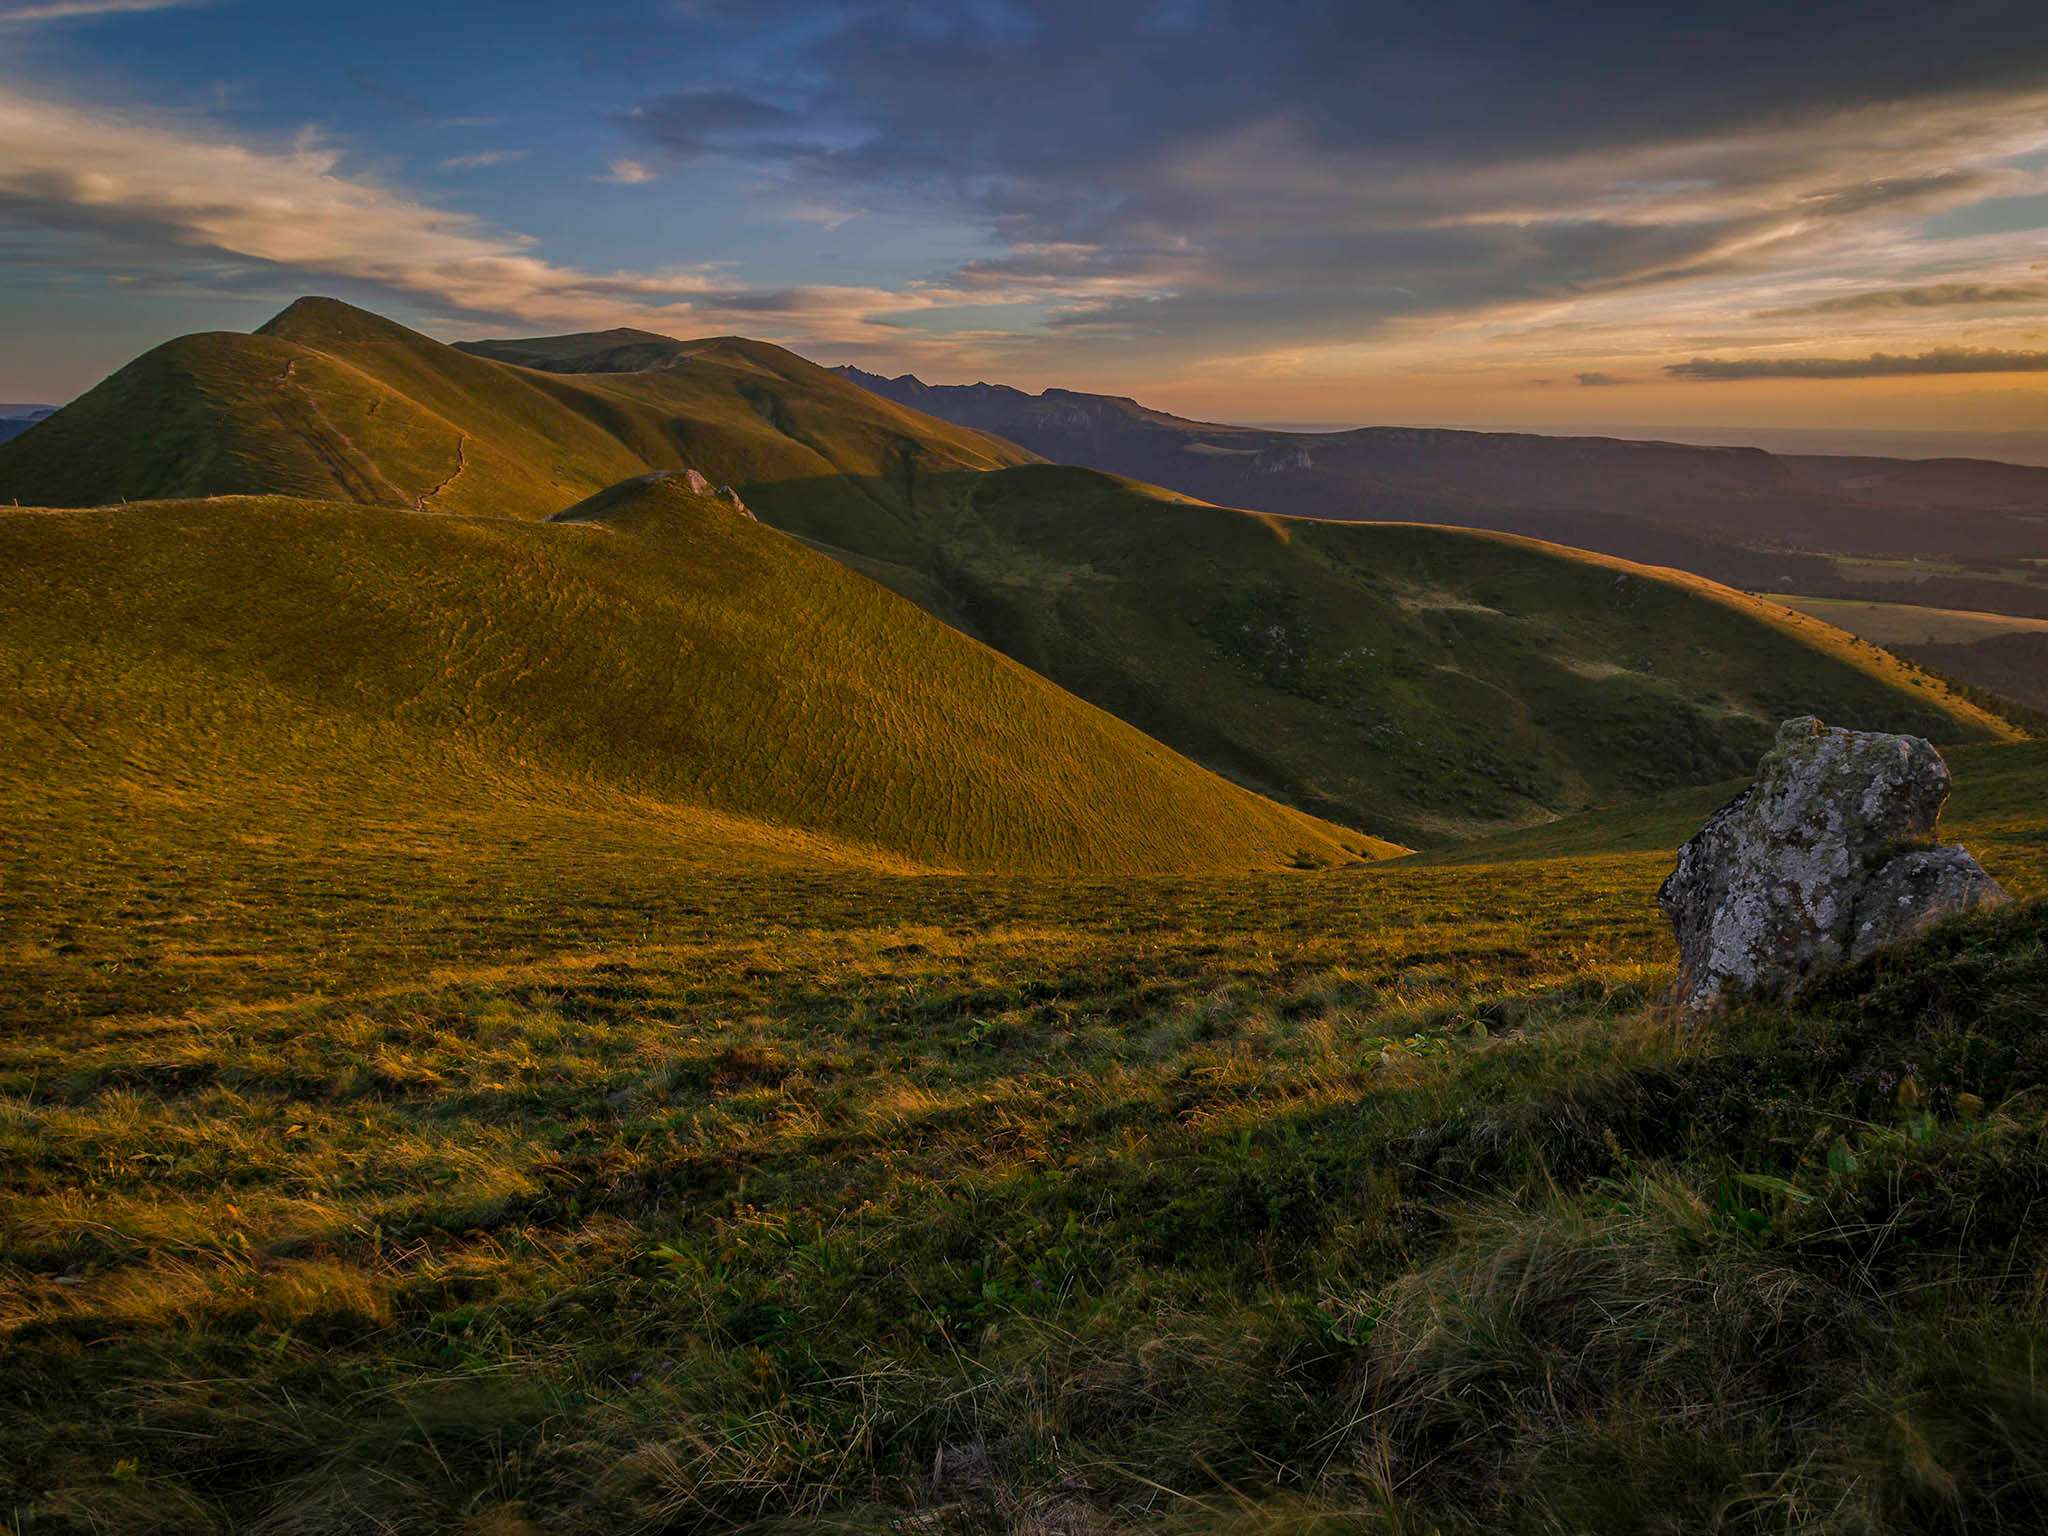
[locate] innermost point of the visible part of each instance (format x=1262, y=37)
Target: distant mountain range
x=16, y=419
x=1739, y=515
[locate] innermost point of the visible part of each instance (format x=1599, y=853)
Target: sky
x=1578, y=214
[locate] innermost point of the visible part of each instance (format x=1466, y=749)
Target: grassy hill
x=1421, y=683
x=614, y=1021
x=1998, y=806
x=1425, y=682
x=251, y=673
x=330, y=402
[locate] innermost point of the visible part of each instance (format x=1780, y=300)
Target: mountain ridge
x=1623, y=496
x=332, y=402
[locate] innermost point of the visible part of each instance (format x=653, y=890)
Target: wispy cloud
x=1879, y=365
x=1594, y=379
x=1387, y=179
x=483, y=159
x=829, y=217
x=150, y=184
x=28, y=12
x=154, y=194
x=1364, y=193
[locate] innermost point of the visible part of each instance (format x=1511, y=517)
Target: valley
x=1741, y=515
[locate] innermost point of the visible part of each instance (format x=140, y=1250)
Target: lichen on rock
x=1827, y=857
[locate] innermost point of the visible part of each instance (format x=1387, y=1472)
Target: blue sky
x=1474, y=210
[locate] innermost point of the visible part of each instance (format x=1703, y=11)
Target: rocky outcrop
x=1827, y=857
x=724, y=493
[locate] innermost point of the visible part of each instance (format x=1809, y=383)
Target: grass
x=371, y=1183
x=470, y=1064
x=256, y=672
x=2009, y=672
x=626, y=1026
x=1426, y=685
x=1891, y=624
x=330, y=402
x=1996, y=803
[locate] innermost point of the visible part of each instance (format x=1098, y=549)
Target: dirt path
x=461, y=463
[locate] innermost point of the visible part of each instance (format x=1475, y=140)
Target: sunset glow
x=1349, y=215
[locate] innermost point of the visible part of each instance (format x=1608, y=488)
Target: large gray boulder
x=1826, y=858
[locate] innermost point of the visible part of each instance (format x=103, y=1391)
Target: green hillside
x=1999, y=807
x=331, y=402
x=228, y=679
x=1424, y=682
x=1428, y=683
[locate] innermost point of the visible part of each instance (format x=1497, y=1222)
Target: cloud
x=29, y=12
x=1593, y=379
x=1365, y=169
x=829, y=217
x=150, y=186
x=153, y=202
x=1383, y=187
x=686, y=124
x=1925, y=296
x=483, y=159
x=1878, y=365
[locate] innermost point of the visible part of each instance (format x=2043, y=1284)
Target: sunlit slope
x=1426, y=682
x=269, y=672
x=328, y=403
x=332, y=402
x=807, y=448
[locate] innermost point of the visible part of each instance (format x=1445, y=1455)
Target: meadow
x=1907, y=624
x=580, y=1181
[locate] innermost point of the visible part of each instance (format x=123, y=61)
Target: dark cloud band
x=1879, y=365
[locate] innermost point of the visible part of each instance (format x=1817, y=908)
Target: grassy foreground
x=373, y=1185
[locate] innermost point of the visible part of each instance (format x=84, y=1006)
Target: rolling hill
x=1736, y=514
x=330, y=402
x=1423, y=684
x=257, y=678
x=1364, y=674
